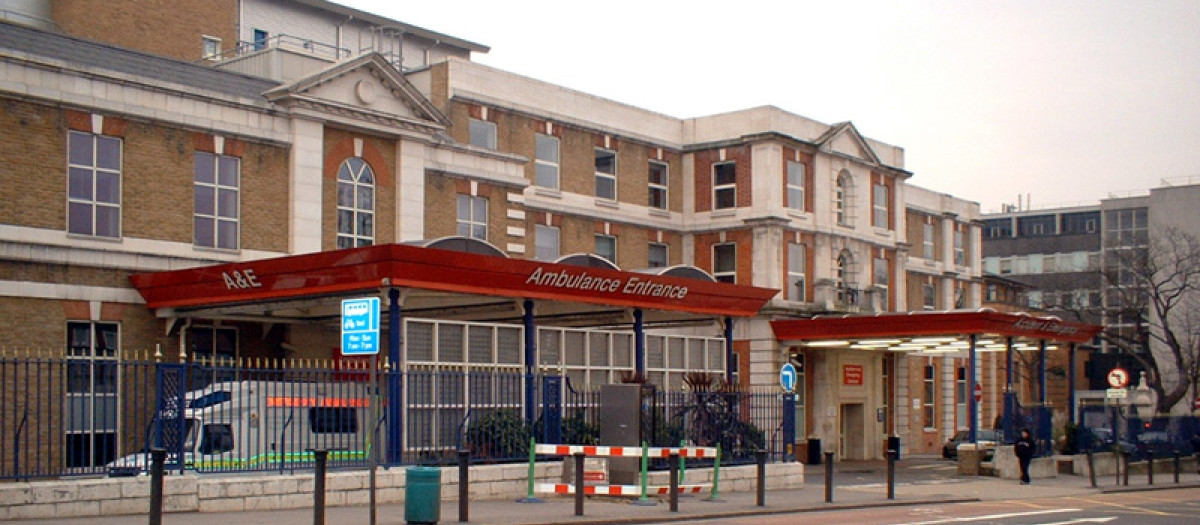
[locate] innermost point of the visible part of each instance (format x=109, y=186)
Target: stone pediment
x=845, y=139
x=366, y=87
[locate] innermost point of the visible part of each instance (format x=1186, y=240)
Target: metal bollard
x=158, y=456
x=464, y=488
x=673, y=467
x=1091, y=469
x=891, y=480
x=1150, y=469
x=1177, y=466
x=829, y=477
x=322, y=457
x=579, y=483
x=1126, y=474
x=760, y=457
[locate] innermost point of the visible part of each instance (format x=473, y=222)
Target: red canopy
x=370, y=268
x=926, y=324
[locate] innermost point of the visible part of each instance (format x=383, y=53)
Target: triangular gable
x=367, y=83
x=844, y=138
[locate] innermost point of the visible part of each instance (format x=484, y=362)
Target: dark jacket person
x=1024, y=448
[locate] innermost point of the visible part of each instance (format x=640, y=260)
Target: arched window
x=355, y=204
x=843, y=275
x=842, y=197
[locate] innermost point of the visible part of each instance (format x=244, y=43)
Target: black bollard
x=322, y=457
x=1091, y=469
x=158, y=456
x=1176, y=467
x=829, y=477
x=673, y=467
x=891, y=488
x=760, y=457
x=1150, y=469
x=464, y=488
x=1125, y=459
x=579, y=483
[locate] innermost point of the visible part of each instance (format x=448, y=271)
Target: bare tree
x=1154, y=297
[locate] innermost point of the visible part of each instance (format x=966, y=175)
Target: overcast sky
x=1067, y=101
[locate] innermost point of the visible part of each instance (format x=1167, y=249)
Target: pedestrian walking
x=1024, y=448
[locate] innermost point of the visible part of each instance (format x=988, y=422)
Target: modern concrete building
x=1063, y=254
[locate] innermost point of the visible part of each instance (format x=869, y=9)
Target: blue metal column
x=728, y=350
x=1042, y=372
x=972, y=405
x=1071, y=384
x=789, y=426
x=639, y=344
x=395, y=426
x=530, y=362
x=1010, y=397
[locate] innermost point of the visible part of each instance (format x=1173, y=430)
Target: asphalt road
x=1161, y=507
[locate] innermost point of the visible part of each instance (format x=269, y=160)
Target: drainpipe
x=728, y=350
x=187, y=323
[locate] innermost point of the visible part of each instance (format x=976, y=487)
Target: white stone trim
x=70, y=292
x=129, y=253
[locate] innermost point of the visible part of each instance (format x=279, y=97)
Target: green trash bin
x=423, y=495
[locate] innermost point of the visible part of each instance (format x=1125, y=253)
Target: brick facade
x=173, y=28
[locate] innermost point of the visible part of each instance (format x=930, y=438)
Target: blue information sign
x=360, y=326
x=787, y=377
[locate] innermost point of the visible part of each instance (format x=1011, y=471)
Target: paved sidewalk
x=603, y=510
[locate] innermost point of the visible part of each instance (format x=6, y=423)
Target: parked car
x=987, y=438
x=1155, y=443
x=1103, y=440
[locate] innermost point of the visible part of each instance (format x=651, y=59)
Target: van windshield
x=216, y=438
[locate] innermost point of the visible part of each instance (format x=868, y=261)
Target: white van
x=261, y=425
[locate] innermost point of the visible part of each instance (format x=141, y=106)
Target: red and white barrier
x=627, y=452
x=617, y=490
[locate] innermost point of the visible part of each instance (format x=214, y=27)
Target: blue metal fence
x=62, y=417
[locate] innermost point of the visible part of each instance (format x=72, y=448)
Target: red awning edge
x=407, y=266
x=934, y=324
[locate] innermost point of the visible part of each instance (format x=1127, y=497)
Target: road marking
x=1126, y=507
x=992, y=517
x=1026, y=503
x=1105, y=519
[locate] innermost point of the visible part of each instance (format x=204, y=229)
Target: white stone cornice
x=69, y=292
x=39, y=245
x=60, y=83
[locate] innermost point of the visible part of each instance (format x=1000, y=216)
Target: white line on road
x=1105, y=519
x=992, y=517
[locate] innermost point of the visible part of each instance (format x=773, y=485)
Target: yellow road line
x=1027, y=504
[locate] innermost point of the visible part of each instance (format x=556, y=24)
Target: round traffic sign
x=787, y=377
x=978, y=392
x=1118, y=378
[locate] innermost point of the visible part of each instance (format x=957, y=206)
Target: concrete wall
x=192, y=493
